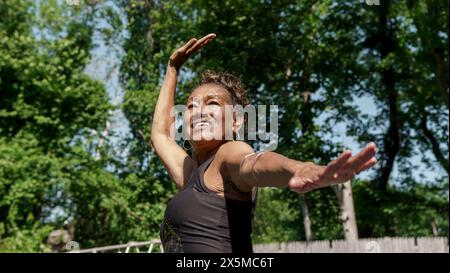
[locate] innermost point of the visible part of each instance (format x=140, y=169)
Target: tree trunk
x=392, y=139
x=348, y=217
x=102, y=136
x=434, y=228
x=306, y=219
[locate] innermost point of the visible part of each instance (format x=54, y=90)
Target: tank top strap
x=195, y=177
x=199, y=181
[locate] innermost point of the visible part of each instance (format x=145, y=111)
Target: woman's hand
x=311, y=176
x=180, y=55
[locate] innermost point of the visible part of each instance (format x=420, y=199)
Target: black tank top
x=199, y=221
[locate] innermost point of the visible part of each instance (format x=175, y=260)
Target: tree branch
x=441, y=67
x=434, y=143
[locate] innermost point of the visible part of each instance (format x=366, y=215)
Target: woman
x=213, y=210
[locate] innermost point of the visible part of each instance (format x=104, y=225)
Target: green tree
x=48, y=110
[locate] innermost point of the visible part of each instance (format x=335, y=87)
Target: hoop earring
x=184, y=145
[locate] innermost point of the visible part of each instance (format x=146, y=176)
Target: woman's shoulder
x=232, y=153
x=228, y=159
x=234, y=148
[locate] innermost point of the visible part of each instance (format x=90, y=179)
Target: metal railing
x=130, y=247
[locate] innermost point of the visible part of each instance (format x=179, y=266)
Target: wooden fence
x=375, y=245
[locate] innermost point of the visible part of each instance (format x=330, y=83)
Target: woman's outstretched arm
x=176, y=161
x=269, y=169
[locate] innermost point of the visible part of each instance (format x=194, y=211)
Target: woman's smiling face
x=205, y=115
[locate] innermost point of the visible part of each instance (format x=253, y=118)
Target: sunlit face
x=205, y=116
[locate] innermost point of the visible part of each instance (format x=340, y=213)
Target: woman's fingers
x=337, y=164
x=210, y=36
x=367, y=165
x=201, y=43
x=357, y=163
x=362, y=157
x=189, y=44
x=206, y=38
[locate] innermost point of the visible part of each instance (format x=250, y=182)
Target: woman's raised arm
x=176, y=161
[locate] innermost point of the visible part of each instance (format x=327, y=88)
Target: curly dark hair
x=231, y=83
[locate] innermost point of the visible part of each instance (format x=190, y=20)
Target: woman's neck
x=201, y=155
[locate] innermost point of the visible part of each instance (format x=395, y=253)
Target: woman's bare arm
x=176, y=161
x=269, y=169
